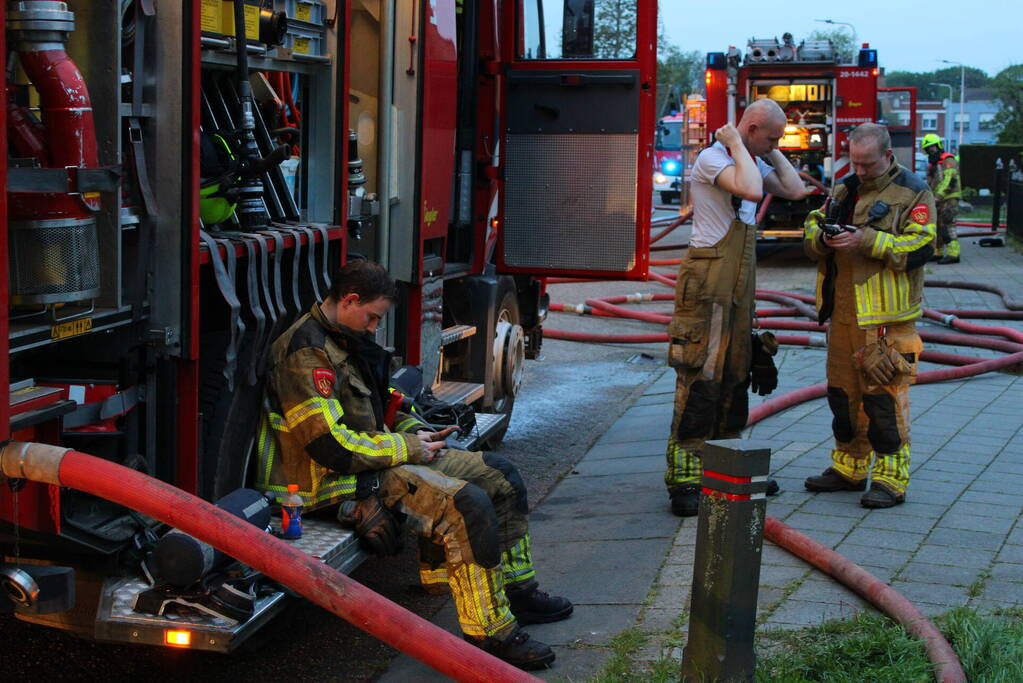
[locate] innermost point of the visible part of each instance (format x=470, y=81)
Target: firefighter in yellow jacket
x=323, y=429
x=871, y=242
x=943, y=177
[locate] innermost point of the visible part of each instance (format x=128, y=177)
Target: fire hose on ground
x=944, y=660
x=265, y=553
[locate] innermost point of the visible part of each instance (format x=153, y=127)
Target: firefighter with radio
x=716, y=356
x=870, y=242
x=943, y=177
x=323, y=428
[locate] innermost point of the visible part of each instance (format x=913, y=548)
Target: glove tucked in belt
x=881, y=363
x=763, y=373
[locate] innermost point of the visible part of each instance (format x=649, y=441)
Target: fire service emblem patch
x=323, y=380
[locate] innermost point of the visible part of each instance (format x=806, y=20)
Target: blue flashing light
x=716, y=61
x=670, y=166
x=867, y=58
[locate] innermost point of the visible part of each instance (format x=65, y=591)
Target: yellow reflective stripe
x=371, y=446
x=303, y=410
x=407, y=424
x=916, y=236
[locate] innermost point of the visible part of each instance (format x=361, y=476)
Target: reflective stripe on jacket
x=895, y=242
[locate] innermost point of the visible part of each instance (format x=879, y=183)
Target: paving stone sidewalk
x=605, y=538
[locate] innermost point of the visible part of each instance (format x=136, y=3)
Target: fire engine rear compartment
x=168, y=352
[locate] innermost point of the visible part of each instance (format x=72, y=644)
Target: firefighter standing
x=943, y=177
x=870, y=286
x=713, y=350
x=323, y=428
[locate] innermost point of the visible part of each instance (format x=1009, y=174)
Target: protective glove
x=763, y=373
x=876, y=363
x=374, y=524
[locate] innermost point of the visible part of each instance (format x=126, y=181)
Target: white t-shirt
x=712, y=205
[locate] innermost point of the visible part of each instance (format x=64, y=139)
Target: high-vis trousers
x=471, y=513
x=710, y=349
x=870, y=421
x=947, y=241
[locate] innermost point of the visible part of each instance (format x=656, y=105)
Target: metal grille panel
x=54, y=261
x=570, y=202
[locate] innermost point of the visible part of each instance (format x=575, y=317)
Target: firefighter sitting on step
x=943, y=177
x=870, y=243
x=323, y=428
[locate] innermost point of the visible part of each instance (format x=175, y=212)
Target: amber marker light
x=177, y=638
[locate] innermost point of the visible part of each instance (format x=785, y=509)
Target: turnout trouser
x=868, y=419
x=471, y=513
x=947, y=241
x=710, y=349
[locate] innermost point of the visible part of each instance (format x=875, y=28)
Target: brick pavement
x=605, y=537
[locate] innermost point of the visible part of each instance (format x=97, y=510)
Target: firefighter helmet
x=930, y=140
x=218, y=170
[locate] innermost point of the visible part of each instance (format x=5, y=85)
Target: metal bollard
x=726, y=574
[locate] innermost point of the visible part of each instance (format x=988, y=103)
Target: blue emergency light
x=716, y=61
x=867, y=59
x=670, y=166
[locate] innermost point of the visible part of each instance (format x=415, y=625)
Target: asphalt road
x=567, y=401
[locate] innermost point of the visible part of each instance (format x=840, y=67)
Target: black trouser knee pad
x=701, y=408
x=841, y=423
x=511, y=474
x=883, y=431
x=480, y=524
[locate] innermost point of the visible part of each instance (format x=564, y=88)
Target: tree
x=680, y=68
x=1008, y=87
x=843, y=41
x=975, y=78
x=614, y=29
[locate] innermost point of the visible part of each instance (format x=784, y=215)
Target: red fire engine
x=181, y=179
x=823, y=100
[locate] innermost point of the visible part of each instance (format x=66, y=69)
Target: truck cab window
x=577, y=29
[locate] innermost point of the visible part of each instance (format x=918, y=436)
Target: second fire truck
x=823, y=98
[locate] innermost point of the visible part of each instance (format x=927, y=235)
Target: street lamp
x=843, y=23
x=948, y=128
x=962, y=98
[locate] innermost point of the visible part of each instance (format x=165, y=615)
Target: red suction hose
x=323, y=585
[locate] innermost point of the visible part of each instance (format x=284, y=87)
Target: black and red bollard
x=726, y=571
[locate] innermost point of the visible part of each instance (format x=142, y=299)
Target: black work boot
x=517, y=649
x=946, y=260
x=772, y=487
x=829, y=480
x=685, y=501
x=880, y=497
x=533, y=606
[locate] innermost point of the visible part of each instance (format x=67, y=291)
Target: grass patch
x=874, y=648
x=623, y=647
x=866, y=648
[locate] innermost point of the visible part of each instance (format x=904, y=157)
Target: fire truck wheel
x=509, y=356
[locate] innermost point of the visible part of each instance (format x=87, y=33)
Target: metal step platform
x=117, y=621
x=458, y=392
x=486, y=424
x=449, y=335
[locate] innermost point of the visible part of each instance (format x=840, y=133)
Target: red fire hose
x=947, y=668
x=323, y=585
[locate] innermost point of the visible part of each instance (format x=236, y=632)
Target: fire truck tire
x=509, y=354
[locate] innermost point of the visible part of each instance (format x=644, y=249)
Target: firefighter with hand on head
x=712, y=347
x=870, y=242
x=943, y=177
x=323, y=427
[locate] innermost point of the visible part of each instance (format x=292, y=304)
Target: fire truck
x=669, y=162
x=823, y=99
x=181, y=178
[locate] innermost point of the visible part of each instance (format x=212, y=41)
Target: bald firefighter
x=870, y=243
x=712, y=348
x=943, y=177
x=323, y=428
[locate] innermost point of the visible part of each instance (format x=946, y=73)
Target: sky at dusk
x=909, y=35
